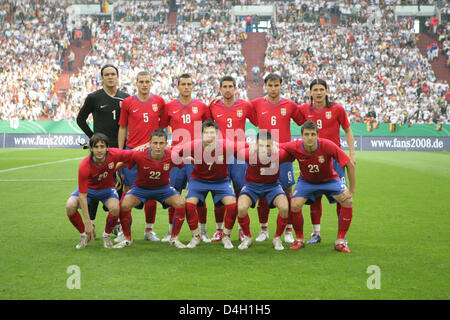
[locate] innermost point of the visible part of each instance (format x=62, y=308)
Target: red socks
x=219, y=213
x=150, y=211
x=230, y=215
x=202, y=211
x=171, y=215
x=297, y=223
x=178, y=219
x=263, y=210
x=245, y=225
x=192, y=216
x=345, y=219
x=125, y=221
x=111, y=222
x=316, y=210
x=77, y=221
x=281, y=225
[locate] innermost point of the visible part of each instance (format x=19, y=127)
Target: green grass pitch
x=400, y=225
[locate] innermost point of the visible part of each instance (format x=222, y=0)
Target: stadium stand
x=377, y=71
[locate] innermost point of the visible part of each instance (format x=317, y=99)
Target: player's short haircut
x=158, y=133
x=309, y=125
x=323, y=83
x=108, y=66
x=264, y=134
x=183, y=76
x=227, y=78
x=98, y=137
x=143, y=73
x=209, y=123
x=273, y=77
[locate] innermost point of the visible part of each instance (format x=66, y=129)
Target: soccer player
x=317, y=176
x=230, y=114
x=104, y=105
x=329, y=117
x=274, y=114
x=261, y=180
x=96, y=182
x=140, y=116
x=152, y=183
x=210, y=174
x=185, y=116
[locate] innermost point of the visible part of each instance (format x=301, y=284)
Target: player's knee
x=71, y=207
x=347, y=203
x=297, y=204
x=114, y=210
x=284, y=211
x=242, y=209
x=179, y=203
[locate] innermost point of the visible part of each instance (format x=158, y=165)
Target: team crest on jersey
x=283, y=111
x=239, y=113
x=321, y=159
x=155, y=107
x=220, y=159
x=328, y=114
x=111, y=165
x=166, y=166
x=194, y=110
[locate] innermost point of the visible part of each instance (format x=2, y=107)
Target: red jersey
x=99, y=177
x=209, y=165
x=184, y=119
x=152, y=173
x=318, y=166
x=328, y=120
x=277, y=117
x=266, y=172
x=141, y=117
x=231, y=120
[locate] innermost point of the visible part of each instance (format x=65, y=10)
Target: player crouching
x=262, y=181
x=96, y=182
x=317, y=177
x=152, y=183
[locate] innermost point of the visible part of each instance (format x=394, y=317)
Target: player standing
x=140, y=116
x=274, y=114
x=152, y=183
x=96, y=182
x=230, y=114
x=185, y=116
x=315, y=158
x=104, y=105
x=329, y=117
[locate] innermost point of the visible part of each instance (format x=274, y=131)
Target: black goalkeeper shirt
x=105, y=111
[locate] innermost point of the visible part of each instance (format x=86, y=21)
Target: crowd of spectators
x=32, y=47
x=207, y=52
x=374, y=69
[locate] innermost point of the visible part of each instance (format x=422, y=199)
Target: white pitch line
x=39, y=164
x=35, y=180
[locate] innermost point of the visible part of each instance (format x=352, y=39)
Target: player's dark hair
x=183, y=76
x=309, y=125
x=264, y=134
x=209, y=123
x=323, y=83
x=273, y=77
x=98, y=137
x=227, y=78
x=109, y=66
x=158, y=133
